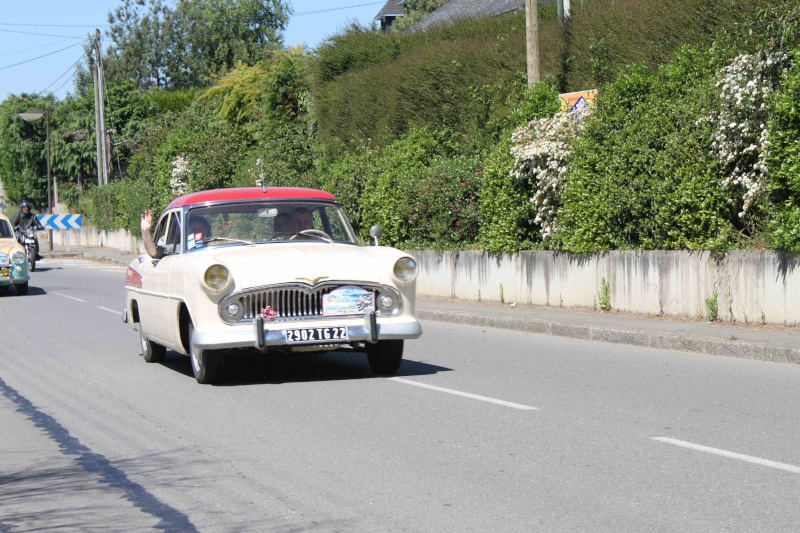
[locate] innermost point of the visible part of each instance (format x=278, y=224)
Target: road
x=482, y=430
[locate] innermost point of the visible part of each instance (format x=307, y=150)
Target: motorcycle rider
x=25, y=219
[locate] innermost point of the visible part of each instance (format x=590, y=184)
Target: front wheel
x=31, y=259
x=22, y=289
x=206, y=364
x=152, y=352
x=385, y=356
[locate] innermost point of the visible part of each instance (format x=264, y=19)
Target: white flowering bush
x=179, y=178
x=541, y=151
x=741, y=139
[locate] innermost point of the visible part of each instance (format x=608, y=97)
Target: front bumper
x=263, y=334
x=11, y=279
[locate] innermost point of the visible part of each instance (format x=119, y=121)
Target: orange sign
x=577, y=100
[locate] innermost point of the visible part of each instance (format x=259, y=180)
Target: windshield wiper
x=225, y=239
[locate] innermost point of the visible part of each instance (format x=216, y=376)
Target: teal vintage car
x=13, y=262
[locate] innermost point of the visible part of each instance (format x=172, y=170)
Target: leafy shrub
x=643, y=174
x=421, y=197
x=783, y=160
x=116, y=205
x=387, y=185
x=503, y=204
x=442, y=208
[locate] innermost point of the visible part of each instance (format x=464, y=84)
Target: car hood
x=9, y=246
x=312, y=263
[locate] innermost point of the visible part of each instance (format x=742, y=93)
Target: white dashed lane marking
x=68, y=296
x=465, y=394
x=730, y=455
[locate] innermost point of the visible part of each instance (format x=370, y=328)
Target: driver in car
x=301, y=217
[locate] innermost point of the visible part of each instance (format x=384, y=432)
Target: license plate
x=315, y=335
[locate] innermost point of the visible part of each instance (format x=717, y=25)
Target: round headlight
x=405, y=269
x=216, y=277
x=19, y=258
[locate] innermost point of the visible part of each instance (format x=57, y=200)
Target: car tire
x=385, y=356
x=22, y=288
x=206, y=364
x=151, y=351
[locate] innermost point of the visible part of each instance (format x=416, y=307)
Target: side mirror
x=375, y=232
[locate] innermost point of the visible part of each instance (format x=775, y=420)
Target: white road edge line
x=109, y=310
x=465, y=394
x=730, y=455
x=70, y=297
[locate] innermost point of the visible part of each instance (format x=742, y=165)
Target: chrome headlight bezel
x=19, y=258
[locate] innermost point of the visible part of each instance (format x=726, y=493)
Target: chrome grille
x=296, y=301
x=289, y=303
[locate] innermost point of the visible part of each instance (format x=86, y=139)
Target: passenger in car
x=199, y=224
x=147, y=239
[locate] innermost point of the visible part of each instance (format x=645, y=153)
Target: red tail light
x=133, y=278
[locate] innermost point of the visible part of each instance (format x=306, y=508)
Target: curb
x=662, y=341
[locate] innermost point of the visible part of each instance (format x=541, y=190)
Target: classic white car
x=13, y=261
x=272, y=269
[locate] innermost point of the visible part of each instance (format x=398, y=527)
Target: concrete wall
x=752, y=287
x=88, y=236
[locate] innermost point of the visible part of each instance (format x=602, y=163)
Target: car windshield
x=251, y=222
x=5, y=230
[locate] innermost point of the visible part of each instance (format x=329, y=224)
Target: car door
x=158, y=311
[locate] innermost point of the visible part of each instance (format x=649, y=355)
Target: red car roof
x=249, y=193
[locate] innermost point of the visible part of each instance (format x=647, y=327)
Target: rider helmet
x=23, y=204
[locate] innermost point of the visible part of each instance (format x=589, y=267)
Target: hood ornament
x=312, y=281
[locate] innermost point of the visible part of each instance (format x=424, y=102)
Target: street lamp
x=32, y=116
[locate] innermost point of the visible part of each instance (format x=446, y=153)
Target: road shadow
x=261, y=369
x=46, y=269
x=11, y=292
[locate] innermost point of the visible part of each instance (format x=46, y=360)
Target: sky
x=56, y=29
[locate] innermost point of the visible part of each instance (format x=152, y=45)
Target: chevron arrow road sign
x=61, y=221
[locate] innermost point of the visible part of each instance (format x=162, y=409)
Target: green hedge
x=643, y=175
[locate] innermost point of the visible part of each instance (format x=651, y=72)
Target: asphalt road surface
x=481, y=430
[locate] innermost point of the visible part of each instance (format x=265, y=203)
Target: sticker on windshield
x=194, y=240
x=348, y=300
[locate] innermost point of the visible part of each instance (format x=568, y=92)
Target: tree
x=191, y=45
x=145, y=42
x=222, y=33
x=23, y=152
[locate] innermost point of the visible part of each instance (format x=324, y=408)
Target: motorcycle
x=28, y=240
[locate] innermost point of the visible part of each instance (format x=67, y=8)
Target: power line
x=53, y=25
x=34, y=48
x=65, y=82
x=336, y=9
x=42, y=34
x=58, y=78
x=45, y=55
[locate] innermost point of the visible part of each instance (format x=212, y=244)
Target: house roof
x=393, y=8
x=459, y=9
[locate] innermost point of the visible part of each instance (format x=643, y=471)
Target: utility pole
x=99, y=113
x=562, y=9
x=532, y=40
